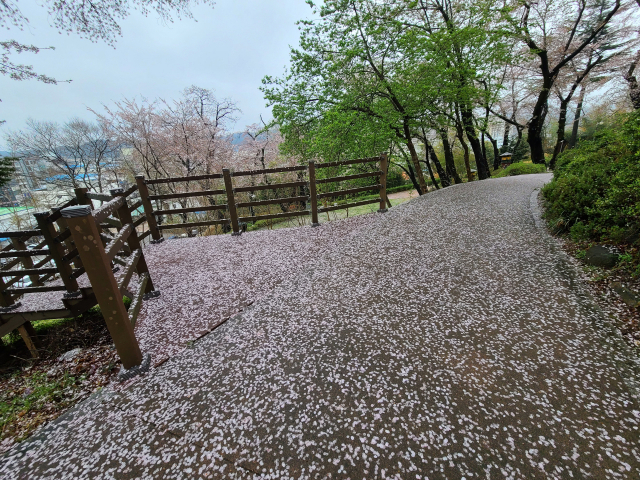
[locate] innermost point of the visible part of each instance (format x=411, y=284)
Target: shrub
x=595, y=192
x=520, y=169
x=395, y=178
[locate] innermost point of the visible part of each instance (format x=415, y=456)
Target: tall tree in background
x=75, y=154
x=182, y=137
x=380, y=72
x=556, y=32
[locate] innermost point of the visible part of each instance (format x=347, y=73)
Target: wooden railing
x=226, y=202
x=105, y=243
x=66, y=253
x=98, y=258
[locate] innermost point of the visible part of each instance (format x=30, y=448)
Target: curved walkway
x=449, y=338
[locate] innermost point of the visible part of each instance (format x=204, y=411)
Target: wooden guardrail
x=65, y=253
x=97, y=258
x=226, y=202
x=75, y=239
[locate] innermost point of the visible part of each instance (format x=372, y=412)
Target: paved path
x=448, y=338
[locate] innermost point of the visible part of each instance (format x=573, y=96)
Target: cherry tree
x=75, y=154
x=556, y=32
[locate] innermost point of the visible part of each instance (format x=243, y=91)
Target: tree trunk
x=537, y=122
x=465, y=148
x=412, y=177
x=448, y=157
x=467, y=161
x=519, y=141
x=576, y=118
x=562, y=123
x=469, y=128
x=505, y=138
x=442, y=173
x=632, y=81
x=433, y=178
x=414, y=159
x=496, y=152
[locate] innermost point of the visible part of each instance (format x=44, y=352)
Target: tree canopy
x=369, y=74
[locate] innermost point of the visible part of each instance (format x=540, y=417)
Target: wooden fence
x=102, y=247
x=230, y=216
x=79, y=241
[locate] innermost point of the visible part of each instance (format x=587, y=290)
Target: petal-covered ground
x=204, y=280
x=450, y=338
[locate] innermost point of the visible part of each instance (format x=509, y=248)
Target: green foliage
x=400, y=188
x=368, y=73
x=595, y=192
x=6, y=170
x=520, y=169
x=35, y=394
x=395, y=178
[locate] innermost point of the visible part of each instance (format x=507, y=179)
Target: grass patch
x=400, y=188
x=35, y=391
x=44, y=328
x=520, y=168
x=24, y=407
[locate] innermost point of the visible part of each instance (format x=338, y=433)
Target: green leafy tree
x=7, y=170
x=372, y=73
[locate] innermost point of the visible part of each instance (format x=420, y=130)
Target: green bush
x=595, y=192
x=520, y=169
x=394, y=178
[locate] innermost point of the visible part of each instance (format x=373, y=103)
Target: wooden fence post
x=56, y=250
x=148, y=209
x=105, y=287
x=6, y=299
x=81, y=196
x=27, y=262
x=26, y=330
x=313, y=194
x=383, y=183
x=134, y=244
x=28, y=334
x=231, y=202
x=62, y=227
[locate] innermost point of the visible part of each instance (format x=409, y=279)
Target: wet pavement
x=449, y=338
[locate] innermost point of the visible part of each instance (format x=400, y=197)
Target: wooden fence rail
x=68, y=252
x=75, y=239
x=236, y=221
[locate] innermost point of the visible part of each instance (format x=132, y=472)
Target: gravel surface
x=449, y=338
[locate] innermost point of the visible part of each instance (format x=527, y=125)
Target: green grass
x=322, y=217
x=400, y=188
x=36, y=393
x=520, y=168
x=43, y=326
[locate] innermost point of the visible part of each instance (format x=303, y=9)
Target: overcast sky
x=229, y=49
